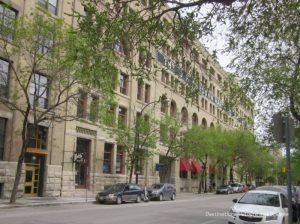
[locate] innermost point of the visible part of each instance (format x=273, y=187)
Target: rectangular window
x=107, y=158
x=94, y=108
x=7, y=22
x=140, y=89
x=38, y=91
x=37, y=136
x=2, y=136
x=147, y=93
x=163, y=133
x=183, y=174
x=194, y=175
x=49, y=5
x=4, y=77
x=120, y=159
x=123, y=83
x=119, y=46
x=45, y=42
x=122, y=117
x=172, y=82
x=82, y=105
x=140, y=167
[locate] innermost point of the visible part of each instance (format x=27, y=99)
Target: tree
x=198, y=143
x=223, y=149
x=138, y=141
x=171, y=139
x=48, y=73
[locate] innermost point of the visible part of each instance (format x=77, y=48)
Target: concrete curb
x=44, y=203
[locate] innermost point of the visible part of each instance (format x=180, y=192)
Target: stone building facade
x=57, y=169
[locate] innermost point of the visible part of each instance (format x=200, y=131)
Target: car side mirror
x=234, y=200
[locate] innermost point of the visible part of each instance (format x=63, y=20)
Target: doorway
x=82, y=166
x=32, y=175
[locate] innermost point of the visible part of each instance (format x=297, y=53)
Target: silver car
x=237, y=187
x=163, y=191
x=224, y=189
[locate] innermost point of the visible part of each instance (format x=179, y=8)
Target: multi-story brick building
x=52, y=166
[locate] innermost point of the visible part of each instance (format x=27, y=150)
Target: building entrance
x=32, y=175
x=82, y=163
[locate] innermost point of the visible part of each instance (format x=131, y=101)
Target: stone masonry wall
x=53, y=181
x=7, y=178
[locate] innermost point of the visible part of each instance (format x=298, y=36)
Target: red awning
x=184, y=165
x=196, y=166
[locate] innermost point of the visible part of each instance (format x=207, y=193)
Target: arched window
x=195, y=119
x=212, y=125
x=184, y=116
x=204, y=122
x=164, y=104
x=173, y=109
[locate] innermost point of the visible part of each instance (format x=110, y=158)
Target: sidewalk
x=51, y=201
x=44, y=201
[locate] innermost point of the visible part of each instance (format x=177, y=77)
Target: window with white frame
x=49, y=5
x=7, y=22
x=38, y=91
x=124, y=83
x=4, y=77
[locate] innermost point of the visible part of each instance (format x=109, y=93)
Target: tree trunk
x=205, y=179
x=231, y=174
x=224, y=174
x=205, y=174
x=131, y=171
x=14, y=192
x=200, y=183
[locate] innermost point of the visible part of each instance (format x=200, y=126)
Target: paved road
x=188, y=209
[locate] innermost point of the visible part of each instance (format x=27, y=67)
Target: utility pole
x=284, y=133
x=288, y=165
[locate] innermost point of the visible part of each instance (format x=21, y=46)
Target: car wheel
x=173, y=197
x=160, y=198
x=138, y=199
x=119, y=200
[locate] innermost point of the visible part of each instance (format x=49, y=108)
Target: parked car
x=245, y=188
x=119, y=193
x=224, y=189
x=237, y=187
x=259, y=206
x=162, y=191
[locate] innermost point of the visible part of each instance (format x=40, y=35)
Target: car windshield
x=223, y=186
x=119, y=187
x=260, y=199
x=234, y=185
x=157, y=186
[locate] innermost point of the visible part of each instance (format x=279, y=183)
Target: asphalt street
x=191, y=209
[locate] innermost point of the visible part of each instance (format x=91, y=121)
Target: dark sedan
x=119, y=193
x=162, y=192
x=224, y=189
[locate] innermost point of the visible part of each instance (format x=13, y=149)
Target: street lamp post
x=137, y=136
